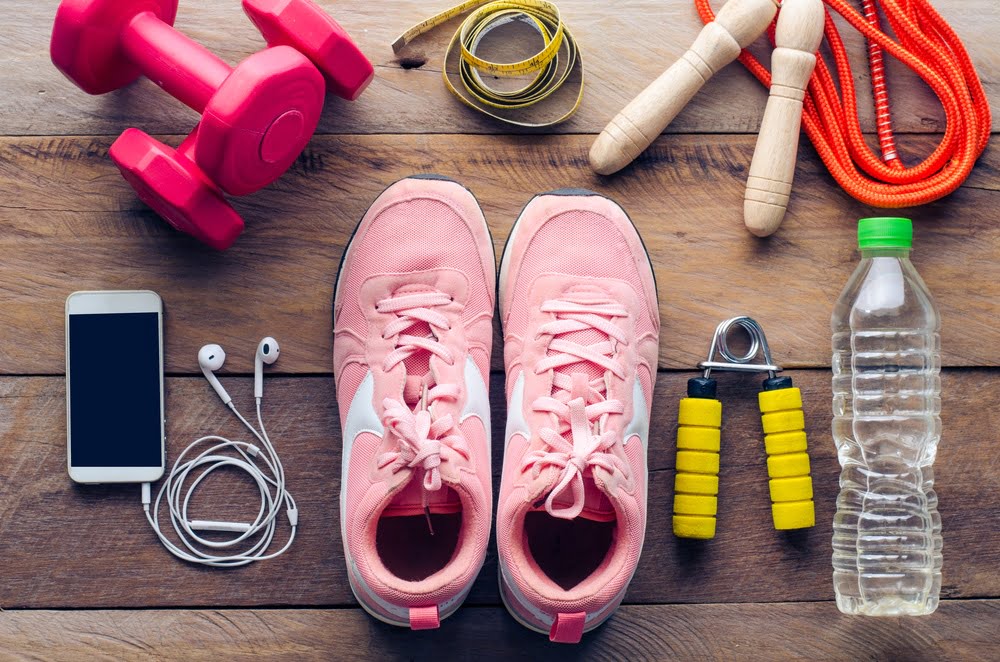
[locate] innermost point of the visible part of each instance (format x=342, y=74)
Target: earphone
x=267, y=352
x=210, y=359
x=222, y=452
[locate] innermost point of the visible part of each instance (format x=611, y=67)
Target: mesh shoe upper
x=412, y=334
x=581, y=328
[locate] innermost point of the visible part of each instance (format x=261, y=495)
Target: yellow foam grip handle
x=696, y=484
x=787, y=462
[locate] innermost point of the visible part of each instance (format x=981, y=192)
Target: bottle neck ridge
x=901, y=253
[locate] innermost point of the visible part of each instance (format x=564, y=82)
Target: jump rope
x=931, y=49
x=924, y=42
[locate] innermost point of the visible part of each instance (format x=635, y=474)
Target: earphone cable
x=224, y=453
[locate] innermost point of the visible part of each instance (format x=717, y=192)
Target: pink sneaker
x=413, y=330
x=581, y=335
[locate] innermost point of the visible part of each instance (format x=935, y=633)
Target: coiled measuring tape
x=555, y=63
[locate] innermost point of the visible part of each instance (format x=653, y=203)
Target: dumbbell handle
x=181, y=66
x=187, y=146
x=798, y=35
x=736, y=26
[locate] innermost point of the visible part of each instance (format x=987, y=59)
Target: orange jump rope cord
x=927, y=45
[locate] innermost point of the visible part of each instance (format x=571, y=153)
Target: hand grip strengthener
x=696, y=485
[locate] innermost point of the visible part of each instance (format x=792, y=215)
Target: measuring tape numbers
x=554, y=65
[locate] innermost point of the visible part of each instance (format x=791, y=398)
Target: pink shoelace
x=425, y=440
x=579, y=405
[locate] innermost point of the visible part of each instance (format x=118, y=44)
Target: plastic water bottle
x=886, y=424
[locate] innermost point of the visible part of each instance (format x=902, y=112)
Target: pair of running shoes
x=413, y=334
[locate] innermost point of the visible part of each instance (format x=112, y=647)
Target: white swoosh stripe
x=639, y=425
x=515, y=412
x=477, y=400
x=363, y=417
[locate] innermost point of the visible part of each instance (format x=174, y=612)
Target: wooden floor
x=82, y=575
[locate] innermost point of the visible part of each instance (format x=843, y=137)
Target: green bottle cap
x=885, y=232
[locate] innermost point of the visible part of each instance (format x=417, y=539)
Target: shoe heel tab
x=568, y=628
x=425, y=618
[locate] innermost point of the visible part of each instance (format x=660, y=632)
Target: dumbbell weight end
x=171, y=183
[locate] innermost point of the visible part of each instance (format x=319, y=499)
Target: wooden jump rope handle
x=797, y=38
x=736, y=26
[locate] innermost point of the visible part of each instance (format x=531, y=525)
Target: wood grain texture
x=960, y=630
x=68, y=221
x=625, y=45
x=69, y=546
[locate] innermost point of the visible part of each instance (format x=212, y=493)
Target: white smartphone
x=115, y=431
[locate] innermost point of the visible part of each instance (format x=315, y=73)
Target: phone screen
x=114, y=390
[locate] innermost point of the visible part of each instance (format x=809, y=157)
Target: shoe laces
x=415, y=310
x=423, y=439
x=578, y=405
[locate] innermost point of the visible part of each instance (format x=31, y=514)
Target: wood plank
x=960, y=630
x=625, y=46
x=70, y=222
x=68, y=546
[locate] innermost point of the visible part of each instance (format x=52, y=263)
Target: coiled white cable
x=221, y=453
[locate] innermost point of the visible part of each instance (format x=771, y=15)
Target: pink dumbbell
x=176, y=189
x=256, y=118
x=309, y=30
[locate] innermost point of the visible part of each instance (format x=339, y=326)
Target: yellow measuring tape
x=555, y=63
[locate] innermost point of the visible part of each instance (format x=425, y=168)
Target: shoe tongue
x=410, y=500
x=417, y=365
x=418, y=368
x=413, y=389
x=588, y=336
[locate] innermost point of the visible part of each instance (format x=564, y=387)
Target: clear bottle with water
x=886, y=424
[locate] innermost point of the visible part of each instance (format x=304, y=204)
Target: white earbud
x=267, y=352
x=249, y=542
x=211, y=358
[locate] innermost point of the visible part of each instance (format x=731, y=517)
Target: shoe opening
x=414, y=544
x=568, y=551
